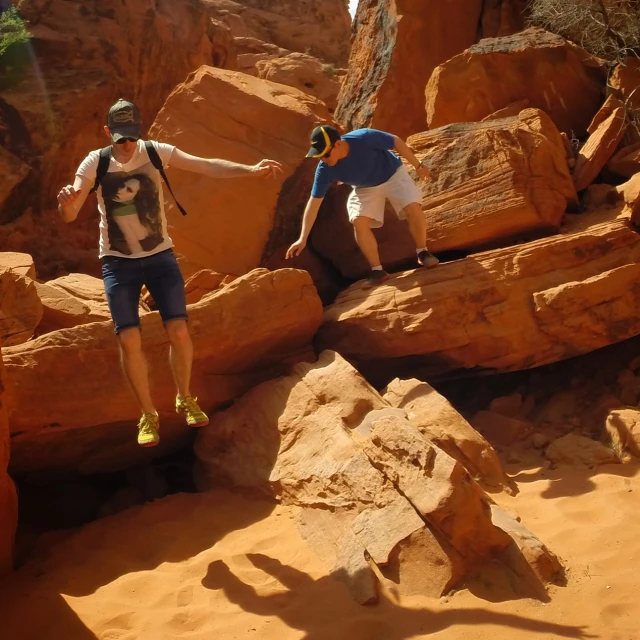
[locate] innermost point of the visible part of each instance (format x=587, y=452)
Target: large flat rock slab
x=502, y=310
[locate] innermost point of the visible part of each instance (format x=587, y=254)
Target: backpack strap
x=103, y=167
x=157, y=163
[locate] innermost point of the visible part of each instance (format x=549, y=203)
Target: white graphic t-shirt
x=132, y=220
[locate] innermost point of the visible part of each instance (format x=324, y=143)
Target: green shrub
x=12, y=29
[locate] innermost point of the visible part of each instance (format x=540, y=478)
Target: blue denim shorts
x=123, y=280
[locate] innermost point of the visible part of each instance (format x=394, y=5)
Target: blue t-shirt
x=370, y=162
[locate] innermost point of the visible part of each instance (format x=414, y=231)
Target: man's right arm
x=72, y=197
x=308, y=219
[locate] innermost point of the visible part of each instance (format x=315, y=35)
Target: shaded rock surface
x=86, y=403
x=8, y=497
x=552, y=73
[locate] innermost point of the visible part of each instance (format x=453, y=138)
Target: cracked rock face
x=380, y=499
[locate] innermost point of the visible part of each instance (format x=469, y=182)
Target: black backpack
x=105, y=158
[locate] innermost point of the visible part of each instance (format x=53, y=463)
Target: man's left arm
x=405, y=151
x=216, y=168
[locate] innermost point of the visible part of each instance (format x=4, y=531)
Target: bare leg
x=417, y=224
x=366, y=240
x=135, y=367
x=180, y=355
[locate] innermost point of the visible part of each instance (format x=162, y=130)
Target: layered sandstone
x=371, y=483
x=224, y=114
x=551, y=73
x=502, y=310
x=321, y=29
x=493, y=180
x=597, y=150
x=242, y=334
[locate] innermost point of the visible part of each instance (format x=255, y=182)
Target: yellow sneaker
x=195, y=416
x=148, y=427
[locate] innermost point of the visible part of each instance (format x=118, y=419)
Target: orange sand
x=219, y=567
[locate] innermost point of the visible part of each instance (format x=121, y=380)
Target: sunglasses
x=123, y=140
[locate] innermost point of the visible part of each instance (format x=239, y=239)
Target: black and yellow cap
x=322, y=139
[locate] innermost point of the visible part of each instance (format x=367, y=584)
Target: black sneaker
x=427, y=259
x=376, y=277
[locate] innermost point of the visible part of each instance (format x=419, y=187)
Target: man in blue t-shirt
x=364, y=159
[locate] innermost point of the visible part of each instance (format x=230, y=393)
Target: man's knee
x=361, y=223
x=178, y=331
x=130, y=339
x=414, y=210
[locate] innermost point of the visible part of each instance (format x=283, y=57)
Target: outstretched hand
x=423, y=172
x=270, y=168
x=68, y=195
x=296, y=248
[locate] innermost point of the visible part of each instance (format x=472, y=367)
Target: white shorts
x=369, y=202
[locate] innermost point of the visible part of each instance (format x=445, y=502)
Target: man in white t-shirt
x=136, y=249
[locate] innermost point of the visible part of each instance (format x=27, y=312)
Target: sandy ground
x=218, y=566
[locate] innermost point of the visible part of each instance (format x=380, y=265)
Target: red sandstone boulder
x=397, y=45
x=493, y=180
x=305, y=73
x=242, y=334
x=20, y=307
x=552, y=73
x=20, y=263
x=371, y=483
x=224, y=114
x=626, y=162
x=600, y=146
x=502, y=310
x=441, y=424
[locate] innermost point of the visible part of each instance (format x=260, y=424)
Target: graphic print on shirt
x=132, y=205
